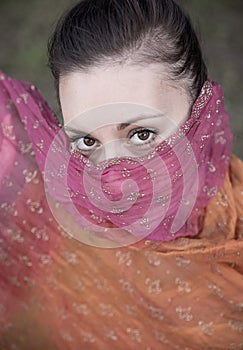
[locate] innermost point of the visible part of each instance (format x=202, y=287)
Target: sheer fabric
x=58, y=293
x=171, y=184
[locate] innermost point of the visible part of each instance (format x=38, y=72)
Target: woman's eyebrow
x=75, y=131
x=120, y=126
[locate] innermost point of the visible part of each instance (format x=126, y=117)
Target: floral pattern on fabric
x=57, y=293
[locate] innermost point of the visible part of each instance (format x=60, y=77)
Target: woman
x=173, y=278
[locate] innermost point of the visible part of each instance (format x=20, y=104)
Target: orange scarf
x=57, y=293
x=183, y=294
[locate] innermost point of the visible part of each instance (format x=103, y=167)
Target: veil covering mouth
x=160, y=195
x=62, y=293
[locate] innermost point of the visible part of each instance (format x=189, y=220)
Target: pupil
x=143, y=135
x=88, y=141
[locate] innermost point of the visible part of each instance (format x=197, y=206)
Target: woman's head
x=115, y=61
x=142, y=52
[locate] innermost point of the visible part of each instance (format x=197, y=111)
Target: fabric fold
x=59, y=293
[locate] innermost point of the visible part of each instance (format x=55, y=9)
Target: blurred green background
x=26, y=24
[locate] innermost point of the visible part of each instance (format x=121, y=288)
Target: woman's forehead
x=114, y=113
x=117, y=95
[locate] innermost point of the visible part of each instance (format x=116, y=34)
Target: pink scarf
x=160, y=196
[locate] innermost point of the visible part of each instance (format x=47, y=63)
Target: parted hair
x=94, y=33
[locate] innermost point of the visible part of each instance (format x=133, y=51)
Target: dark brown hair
x=99, y=32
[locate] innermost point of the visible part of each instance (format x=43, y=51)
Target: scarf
x=60, y=293
x=161, y=195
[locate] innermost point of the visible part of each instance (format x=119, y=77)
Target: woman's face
x=121, y=111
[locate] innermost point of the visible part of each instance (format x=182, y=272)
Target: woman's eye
x=88, y=141
x=84, y=144
x=143, y=136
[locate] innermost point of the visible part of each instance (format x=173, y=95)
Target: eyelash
x=139, y=130
x=130, y=135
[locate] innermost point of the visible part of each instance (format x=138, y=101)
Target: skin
x=94, y=104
